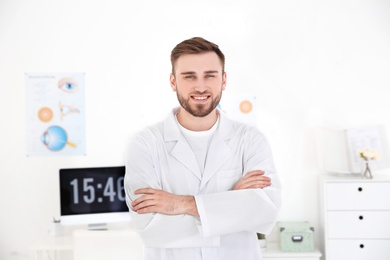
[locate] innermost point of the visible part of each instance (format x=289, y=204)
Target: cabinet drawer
x=358, y=249
x=359, y=224
x=358, y=195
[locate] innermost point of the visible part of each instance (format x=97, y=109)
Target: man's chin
x=200, y=111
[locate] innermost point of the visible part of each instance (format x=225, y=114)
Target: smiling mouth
x=200, y=98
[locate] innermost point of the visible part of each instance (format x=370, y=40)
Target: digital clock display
x=92, y=190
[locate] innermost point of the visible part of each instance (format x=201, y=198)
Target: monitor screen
x=93, y=195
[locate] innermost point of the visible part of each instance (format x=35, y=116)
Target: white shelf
x=273, y=252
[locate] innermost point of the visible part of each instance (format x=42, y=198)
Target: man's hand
x=159, y=201
x=254, y=179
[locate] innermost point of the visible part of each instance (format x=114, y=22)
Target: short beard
x=198, y=110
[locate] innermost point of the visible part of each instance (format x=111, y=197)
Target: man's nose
x=201, y=85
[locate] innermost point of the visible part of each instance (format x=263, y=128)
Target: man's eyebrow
x=192, y=72
x=187, y=73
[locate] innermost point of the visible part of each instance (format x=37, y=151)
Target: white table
x=86, y=244
x=55, y=247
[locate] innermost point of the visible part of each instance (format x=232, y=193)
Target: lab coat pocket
x=226, y=179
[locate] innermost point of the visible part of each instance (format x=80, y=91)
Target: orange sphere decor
x=45, y=114
x=246, y=106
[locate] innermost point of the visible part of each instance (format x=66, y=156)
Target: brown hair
x=196, y=45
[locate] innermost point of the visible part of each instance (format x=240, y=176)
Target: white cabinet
x=355, y=217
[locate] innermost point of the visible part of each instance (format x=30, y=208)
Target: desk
x=95, y=245
x=61, y=247
x=53, y=246
x=272, y=252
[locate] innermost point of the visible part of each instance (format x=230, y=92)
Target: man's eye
x=189, y=77
x=210, y=76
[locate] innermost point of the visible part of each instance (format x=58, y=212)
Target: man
x=198, y=185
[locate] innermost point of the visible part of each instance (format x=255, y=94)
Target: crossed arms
x=159, y=201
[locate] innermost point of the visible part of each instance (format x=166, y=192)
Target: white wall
x=309, y=63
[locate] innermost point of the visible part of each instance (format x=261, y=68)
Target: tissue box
x=296, y=237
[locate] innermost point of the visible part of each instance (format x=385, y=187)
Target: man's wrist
x=190, y=206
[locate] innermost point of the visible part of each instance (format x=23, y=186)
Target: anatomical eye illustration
x=246, y=106
x=55, y=138
x=55, y=114
x=68, y=85
x=45, y=114
x=68, y=110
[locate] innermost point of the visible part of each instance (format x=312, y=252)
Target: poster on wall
x=55, y=113
x=369, y=137
x=339, y=149
x=240, y=107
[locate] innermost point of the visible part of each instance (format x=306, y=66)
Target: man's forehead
x=198, y=62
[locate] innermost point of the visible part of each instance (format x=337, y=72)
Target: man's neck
x=194, y=123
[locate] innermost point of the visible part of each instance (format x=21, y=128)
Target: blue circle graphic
x=54, y=138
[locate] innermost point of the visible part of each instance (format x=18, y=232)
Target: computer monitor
x=94, y=196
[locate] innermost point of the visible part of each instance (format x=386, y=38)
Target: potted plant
x=262, y=240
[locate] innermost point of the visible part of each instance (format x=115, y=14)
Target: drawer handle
x=360, y=189
x=361, y=246
x=361, y=217
x=296, y=239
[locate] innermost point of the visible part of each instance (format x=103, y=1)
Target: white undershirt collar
x=198, y=133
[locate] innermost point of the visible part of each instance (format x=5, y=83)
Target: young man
x=198, y=185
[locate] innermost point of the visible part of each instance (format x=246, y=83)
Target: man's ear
x=172, y=81
x=224, y=80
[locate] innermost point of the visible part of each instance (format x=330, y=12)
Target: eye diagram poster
x=55, y=114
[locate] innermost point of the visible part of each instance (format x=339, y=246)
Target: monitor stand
x=97, y=226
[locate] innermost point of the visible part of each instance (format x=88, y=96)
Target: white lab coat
x=160, y=157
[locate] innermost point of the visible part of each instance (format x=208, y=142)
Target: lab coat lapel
x=219, y=150
x=181, y=150
x=184, y=154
